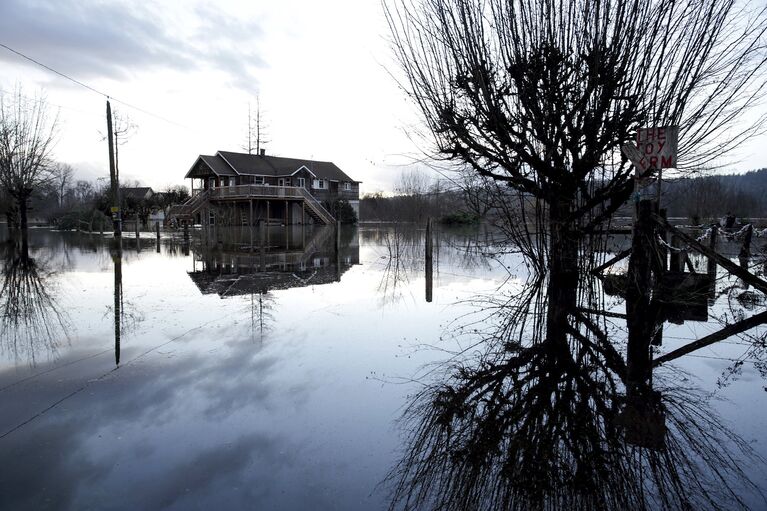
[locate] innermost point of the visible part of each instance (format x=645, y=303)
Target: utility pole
x=113, y=176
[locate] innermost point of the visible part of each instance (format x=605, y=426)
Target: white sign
x=655, y=149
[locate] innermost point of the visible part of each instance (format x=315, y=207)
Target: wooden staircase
x=316, y=210
x=185, y=212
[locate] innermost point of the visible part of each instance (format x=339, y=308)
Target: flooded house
x=231, y=188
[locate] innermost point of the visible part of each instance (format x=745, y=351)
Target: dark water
x=275, y=378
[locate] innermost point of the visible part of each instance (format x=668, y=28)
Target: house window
x=259, y=180
x=318, y=184
x=231, y=181
x=347, y=186
x=302, y=182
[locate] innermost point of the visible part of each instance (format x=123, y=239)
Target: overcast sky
x=319, y=67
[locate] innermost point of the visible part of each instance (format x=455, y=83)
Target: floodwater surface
x=275, y=375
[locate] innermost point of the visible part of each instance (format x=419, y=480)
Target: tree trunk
x=641, y=309
x=563, y=271
x=23, y=224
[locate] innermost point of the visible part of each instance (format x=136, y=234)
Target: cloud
x=88, y=39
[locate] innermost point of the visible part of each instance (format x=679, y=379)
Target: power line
x=86, y=86
x=53, y=70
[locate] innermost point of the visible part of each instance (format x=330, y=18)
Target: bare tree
x=26, y=142
x=83, y=190
x=62, y=174
x=476, y=191
x=413, y=184
x=123, y=130
x=541, y=95
x=257, y=130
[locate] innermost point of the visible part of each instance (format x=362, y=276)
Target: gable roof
x=136, y=192
x=226, y=163
x=215, y=164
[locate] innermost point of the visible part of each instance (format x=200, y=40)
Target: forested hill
x=743, y=195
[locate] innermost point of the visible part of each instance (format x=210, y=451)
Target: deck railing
x=278, y=192
x=318, y=208
x=190, y=207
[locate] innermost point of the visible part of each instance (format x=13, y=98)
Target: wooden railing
x=317, y=207
x=277, y=192
x=190, y=207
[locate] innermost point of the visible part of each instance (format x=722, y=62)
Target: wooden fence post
x=712, y=245
x=745, y=250
x=429, y=268
x=676, y=258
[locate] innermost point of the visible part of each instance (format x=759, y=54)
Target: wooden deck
x=241, y=193
x=245, y=192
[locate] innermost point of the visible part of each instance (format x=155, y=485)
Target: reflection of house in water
x=292, y=258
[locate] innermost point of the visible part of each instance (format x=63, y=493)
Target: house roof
x=136, y=193
x=205, y=163
x=226, y=163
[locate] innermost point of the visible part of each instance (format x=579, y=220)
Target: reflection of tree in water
x=402, y=255
x=537, y=421
x=30, y=319
x=261, y=308
x=399, y=258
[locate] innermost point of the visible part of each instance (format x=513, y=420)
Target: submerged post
x=338, y=236
x=429, y=277
x=338, y=250
x=711, y=268
x=138, y=242
x=745, y=250
x=287, y=237
x=262, y=254
x=662, y=251
x=250, y=224
x=676, y=257
x=712, y=245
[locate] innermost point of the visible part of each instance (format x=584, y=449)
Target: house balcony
x=257, y=192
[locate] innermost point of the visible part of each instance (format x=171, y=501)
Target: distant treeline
x=464, y=199
x=742, y=195
x=413, y=207
x=698, y=199
x=68, y=203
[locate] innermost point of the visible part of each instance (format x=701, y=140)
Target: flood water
x=292, y=374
